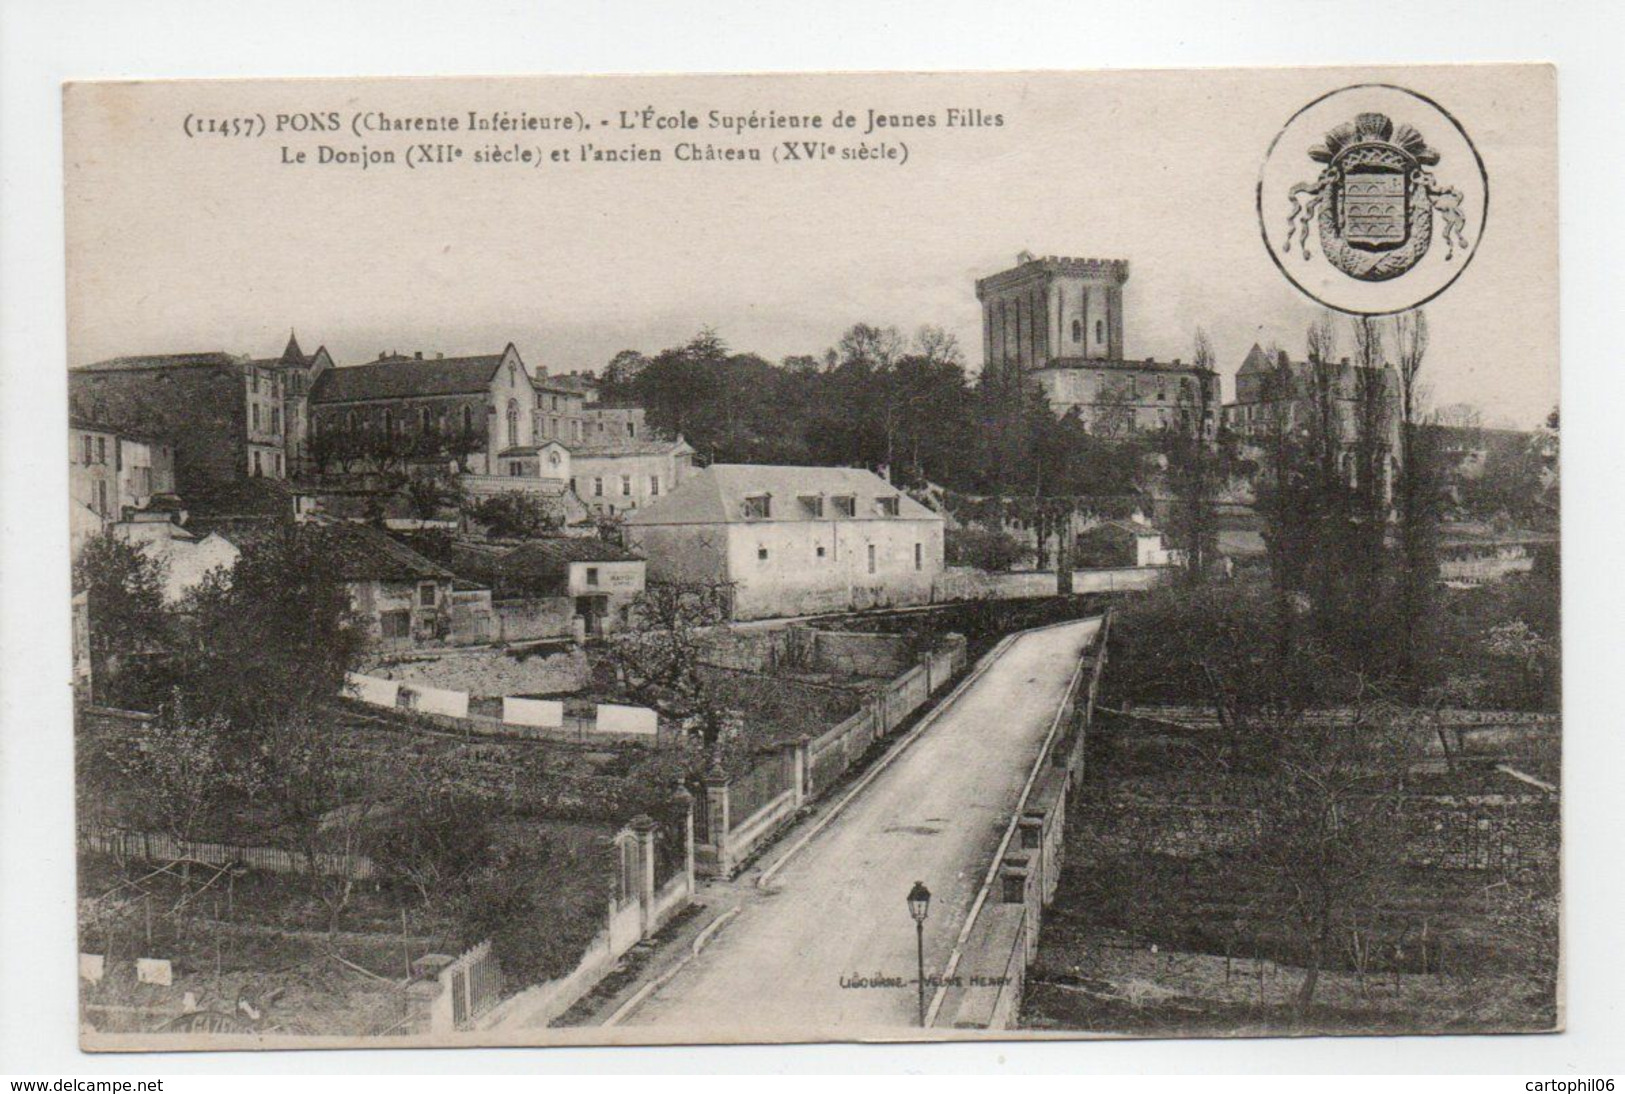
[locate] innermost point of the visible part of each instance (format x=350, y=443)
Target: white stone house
x=792, y=540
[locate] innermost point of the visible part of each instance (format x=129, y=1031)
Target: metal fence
x=475, y=983
x=750, y=793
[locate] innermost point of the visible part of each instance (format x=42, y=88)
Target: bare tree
x=177, y=775
x=661, y=661
x=1414, y=500
x=1192, y=466
x=1331, y=825
x=936, y=344
x=1321, y=338
x=1113, y=415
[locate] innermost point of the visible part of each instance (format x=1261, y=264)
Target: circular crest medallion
x=1372, y=199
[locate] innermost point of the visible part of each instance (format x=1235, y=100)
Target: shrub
x=985, y=549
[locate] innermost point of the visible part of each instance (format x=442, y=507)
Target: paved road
x=836, y=910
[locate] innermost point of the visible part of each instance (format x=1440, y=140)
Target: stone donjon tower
x=1060, y=321
x=1049, y=309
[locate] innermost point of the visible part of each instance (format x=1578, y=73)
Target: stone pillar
x=799, y=768
x=1019, y=888
x=1063, y=557
x=686, y=800
x=1013, y=879
x=643, y=834
x=716, y=801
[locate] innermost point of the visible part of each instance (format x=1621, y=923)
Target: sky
x=188, y=243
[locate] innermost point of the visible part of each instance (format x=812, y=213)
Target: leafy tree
x=125, y=601
x=623, y=369
x=300, y=770
x=273, y=634
x=514, y=514
x=429, y=492
x=1193, y=470
x=984, y=549
x=537, y=927
x=435, y=840
x=179, y=773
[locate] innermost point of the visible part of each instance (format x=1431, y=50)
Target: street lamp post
x=919, y=906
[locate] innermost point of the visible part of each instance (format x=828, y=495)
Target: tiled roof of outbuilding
x=363, y=553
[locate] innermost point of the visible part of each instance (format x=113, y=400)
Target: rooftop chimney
x=418, y=355
x=382, y=355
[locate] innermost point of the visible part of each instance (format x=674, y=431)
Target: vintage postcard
x=829, y=557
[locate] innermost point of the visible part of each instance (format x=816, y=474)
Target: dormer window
x=888, y=506
x=758, y=507
x=845, y=506
x=814, y=506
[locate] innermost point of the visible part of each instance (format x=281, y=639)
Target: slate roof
x=630, y=446
x=716, y=495
x=75, y=421
x=406, y=377
x=1255, y=361
x=212, y=359
x=580, y=385
x=561, y=385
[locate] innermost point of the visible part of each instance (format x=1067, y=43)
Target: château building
x=1281, y=394
x=1060, y=321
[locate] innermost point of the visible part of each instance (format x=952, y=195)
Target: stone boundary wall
x=638, y=908
x=449, y=710
x=811, y=649
x=982, y=985
x=808, y=768
x=1501, y=834
x=966, y=584
x=489, y=672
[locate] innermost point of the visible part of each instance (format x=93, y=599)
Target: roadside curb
x=885, y=761
x=701, y=940
x=763, y=882
x=937, y=998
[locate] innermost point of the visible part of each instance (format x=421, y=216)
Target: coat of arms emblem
x=1374, y=202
